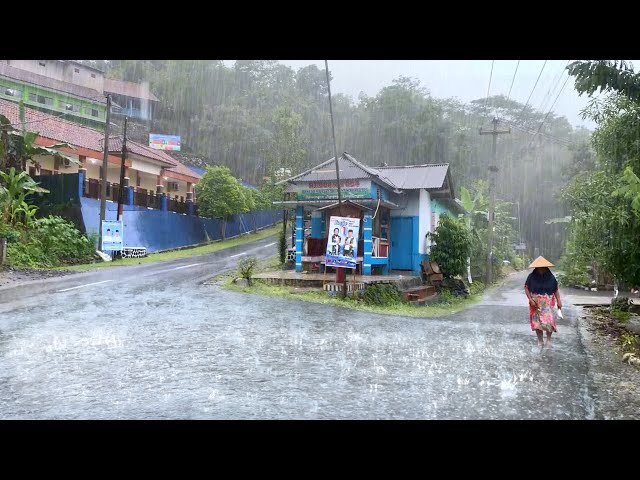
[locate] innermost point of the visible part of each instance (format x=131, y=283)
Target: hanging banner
x=342, y=244
x=112, y=236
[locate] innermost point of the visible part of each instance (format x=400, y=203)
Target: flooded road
x=169, y=347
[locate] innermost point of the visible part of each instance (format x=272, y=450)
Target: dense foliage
x=382, y=294
x=48, y=242
x=452, y=246
x=605, y=199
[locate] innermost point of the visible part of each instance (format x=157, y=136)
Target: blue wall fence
x=155, y=230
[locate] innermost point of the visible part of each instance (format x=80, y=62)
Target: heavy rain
x=261, y=239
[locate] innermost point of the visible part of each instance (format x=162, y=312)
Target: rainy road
x=166, y=346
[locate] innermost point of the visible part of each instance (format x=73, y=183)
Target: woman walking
x=542, y=291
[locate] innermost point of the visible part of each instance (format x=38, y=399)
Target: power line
x=534, y=87
x=550, y=109
x=551, y=91
x=513, y=80
x=489, y=87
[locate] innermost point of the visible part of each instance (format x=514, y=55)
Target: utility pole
x=124, y=154
x=341, y=274
x=103, y=186
x=493, y=169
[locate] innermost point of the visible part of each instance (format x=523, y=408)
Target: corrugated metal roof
x=414, y=177
x=350, y=169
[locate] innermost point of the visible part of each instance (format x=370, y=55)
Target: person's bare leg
x=549, y=338
x=540, y=338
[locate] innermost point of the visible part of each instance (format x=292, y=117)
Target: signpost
x=112, y=236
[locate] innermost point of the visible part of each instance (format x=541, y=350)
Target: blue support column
x=82, y=173
x=368, y=243
x=163, y=202
x=129, y=196
x=299, y=236
x=316, y=224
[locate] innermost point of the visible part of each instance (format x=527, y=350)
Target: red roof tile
x=52, y=126
x=55, y=128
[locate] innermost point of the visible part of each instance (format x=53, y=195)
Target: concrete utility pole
x=493, y=169
x=341, y=273
x=124, y=155
x=103, y=187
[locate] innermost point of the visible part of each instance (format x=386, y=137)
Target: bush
x=476, y=287
x=282, y=245
x=382, y=294
x=50, y=242
x=246, y=268
x=9, y=232
x=452, y=246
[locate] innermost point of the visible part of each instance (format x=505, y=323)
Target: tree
x=604, y=202
x=220, y=195
x=452, y=246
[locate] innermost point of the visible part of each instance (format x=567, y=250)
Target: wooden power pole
x=493, y=170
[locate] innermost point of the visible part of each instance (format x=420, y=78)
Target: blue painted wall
x=375, y=188
x=157, y=230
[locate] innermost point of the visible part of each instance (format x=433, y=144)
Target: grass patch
x=176, y=254
x=259, y=287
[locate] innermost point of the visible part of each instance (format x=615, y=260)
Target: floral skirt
x=543, y=318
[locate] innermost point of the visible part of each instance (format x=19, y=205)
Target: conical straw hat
x=541, y=262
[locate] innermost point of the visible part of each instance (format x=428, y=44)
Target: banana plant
x=13, y=205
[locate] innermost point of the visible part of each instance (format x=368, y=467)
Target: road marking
x=271, y=244
x=186, y=266
x=237, y=254
x=176, y=268
x=86, y=285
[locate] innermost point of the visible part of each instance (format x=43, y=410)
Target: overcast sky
x=464, y=79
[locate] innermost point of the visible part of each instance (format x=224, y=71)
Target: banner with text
x=328, y=190
x=342, y=245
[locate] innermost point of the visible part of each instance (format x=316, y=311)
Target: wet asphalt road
x=156, y=343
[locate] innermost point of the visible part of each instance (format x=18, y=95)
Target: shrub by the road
x=247, y=267
x=50, y=242
x=382, y=294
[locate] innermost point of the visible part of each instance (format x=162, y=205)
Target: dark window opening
x=93, y=75
x=42, y=64
x=77, y=70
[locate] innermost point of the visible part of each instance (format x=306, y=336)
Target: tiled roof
x=184, y=170
x=413, y=177
x=51, y=126
x=128, y=89
x=115, y=146
x=51, y=83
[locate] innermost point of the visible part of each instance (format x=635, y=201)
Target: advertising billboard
x=164, y=142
